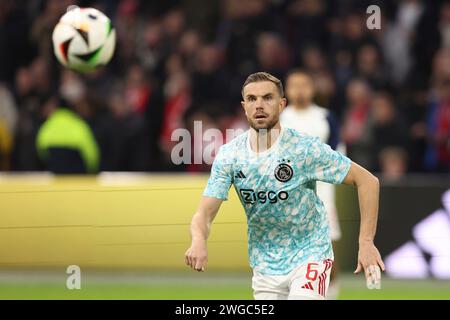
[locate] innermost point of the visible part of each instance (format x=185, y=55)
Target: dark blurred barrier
x=414, y=227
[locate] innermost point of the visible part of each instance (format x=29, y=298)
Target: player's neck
x=263, y=140
x=301, y=106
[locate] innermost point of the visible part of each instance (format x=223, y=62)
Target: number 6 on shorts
x=312, y=279
x=311, y=274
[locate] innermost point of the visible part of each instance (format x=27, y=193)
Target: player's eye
x=251, y=98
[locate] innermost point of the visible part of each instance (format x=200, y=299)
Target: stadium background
x=181, y=61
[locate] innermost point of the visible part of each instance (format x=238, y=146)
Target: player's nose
x=259, y=105
x=259, y=102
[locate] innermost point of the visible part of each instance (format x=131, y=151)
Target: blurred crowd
x=183, y=61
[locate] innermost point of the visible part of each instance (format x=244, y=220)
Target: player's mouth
x=260, y=116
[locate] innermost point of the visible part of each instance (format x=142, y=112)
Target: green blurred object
x=65, y=129
x=197, y=286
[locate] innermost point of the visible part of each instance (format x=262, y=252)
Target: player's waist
x=286, y=245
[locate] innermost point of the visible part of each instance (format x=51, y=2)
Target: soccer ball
x=84, y=39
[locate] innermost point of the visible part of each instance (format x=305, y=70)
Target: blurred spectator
x=202, y=16
x=325, y=89
x=8, y=110
x=152, y=50
x=178, y=99
x=65, y=142
x=173, y=25
x=444, y=25
x=72, y=88
x=206, y=118
x=129, y=27
x=137, y=90
x=313, y=60
x=44, y=24
x=273, y=55
x=398, y=39
x=370, y=67
x=6, y=143
x=438, y=153
x=15, y=47
x=125, y=145
x=315, y=63
x=29, y=101
x=393, y=162
x=426, y=41
x=357, y=123
x=8, y=120
x=307, y=23
x=178, y=61
x=242, y=23
x=209, y=80
x=441, y=64
x=40, y=70
x=350, y=33
x=388, y=128
x=188, y=46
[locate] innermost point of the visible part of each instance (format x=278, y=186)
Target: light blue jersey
x=287, y=222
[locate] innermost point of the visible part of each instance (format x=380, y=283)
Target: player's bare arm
x=197, y=255
x=369, y=259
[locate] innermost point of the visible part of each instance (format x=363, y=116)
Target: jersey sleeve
x=325, y=164
x=221, y=177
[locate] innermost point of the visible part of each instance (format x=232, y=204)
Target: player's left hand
x=369, y=259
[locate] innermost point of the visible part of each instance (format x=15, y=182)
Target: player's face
x=263, y=105
x=299, y=89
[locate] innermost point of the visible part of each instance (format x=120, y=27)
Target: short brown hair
x=263, y=76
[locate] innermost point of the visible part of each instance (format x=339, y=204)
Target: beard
x=267, y=125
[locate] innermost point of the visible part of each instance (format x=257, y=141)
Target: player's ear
x=283, y=103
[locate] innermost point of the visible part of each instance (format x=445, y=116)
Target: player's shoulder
x=299, y=136
x=305, y=146
x=298, y=142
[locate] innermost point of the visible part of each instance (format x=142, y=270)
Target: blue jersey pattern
x=287, y=222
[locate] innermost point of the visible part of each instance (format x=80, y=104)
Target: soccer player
x=305, y=116
x=274, y=171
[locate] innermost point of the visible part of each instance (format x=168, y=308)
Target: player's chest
x=266, y=177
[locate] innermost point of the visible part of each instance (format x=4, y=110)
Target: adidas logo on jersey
x=240, y=175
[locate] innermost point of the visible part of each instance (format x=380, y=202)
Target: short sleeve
x=325, y=164
x=221, y=177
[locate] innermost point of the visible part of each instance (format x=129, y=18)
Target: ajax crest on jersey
x=284, y=172
x=84, y=39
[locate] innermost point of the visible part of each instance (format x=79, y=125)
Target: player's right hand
x=197, y=257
